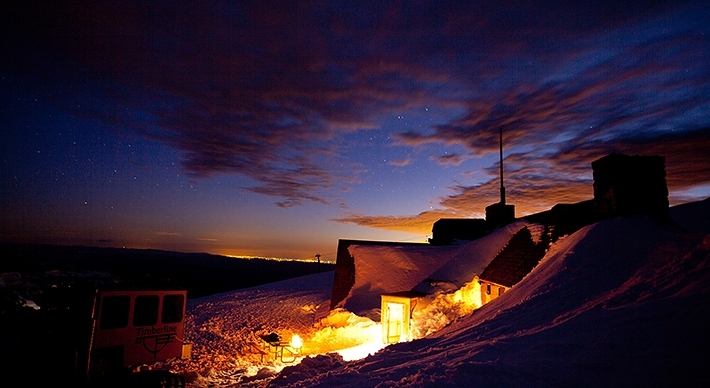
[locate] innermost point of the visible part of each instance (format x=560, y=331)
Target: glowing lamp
x=296, y=342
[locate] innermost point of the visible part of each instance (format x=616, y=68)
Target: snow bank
x=342, y=330
x=224, y=328
x=619, y=303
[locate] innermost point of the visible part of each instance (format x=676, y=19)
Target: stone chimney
x=626, y=185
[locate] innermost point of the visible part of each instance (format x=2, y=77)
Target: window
x=145, y=312
x=172, y=308
x=114, y=312
x=488, y=289
x=500, y=291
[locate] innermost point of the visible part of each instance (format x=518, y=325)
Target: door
x=395, y=322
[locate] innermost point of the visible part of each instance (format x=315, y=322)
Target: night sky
x=275, y=128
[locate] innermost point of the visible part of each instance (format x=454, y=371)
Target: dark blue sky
x=275, y=128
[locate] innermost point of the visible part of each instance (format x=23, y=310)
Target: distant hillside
x=200, y=273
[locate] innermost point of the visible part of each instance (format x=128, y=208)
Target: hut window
x=114, y=312
x=172, y=308
x=500, y=291
x=145, y=312
x=488, y=289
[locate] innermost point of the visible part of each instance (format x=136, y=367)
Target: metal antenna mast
x=502, y=188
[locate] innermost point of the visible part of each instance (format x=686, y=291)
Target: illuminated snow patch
x=361, y=351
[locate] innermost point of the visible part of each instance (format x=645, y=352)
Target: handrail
x=294, y=355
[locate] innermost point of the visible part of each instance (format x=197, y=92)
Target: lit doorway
x=394, y=323
x=396, y=313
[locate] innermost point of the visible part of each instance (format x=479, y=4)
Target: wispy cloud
x=400, y=163
x=417, y=224
x=168, y=234
x=267, y=90
x=453, y=159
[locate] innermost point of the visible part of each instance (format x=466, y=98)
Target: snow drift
x=619, y=303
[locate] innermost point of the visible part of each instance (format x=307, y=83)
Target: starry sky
x=275, y=128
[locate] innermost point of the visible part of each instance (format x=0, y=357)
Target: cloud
x=400, y=163
x=648, y=98
x=452, y=159
x=269, y=90
x=254, y=89
x=168, y=234
x=417, y=224
x=535, y=183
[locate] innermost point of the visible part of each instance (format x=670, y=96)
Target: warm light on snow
x=469, y=295
x=581, y=302
x=361, y=351
x=436, y=311
x=342, y=330
x=352, y=336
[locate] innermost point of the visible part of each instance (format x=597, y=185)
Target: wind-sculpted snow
x=619, y=303
x=223, y=328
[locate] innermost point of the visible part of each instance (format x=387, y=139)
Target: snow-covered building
x=379, y=279
x=522, y=253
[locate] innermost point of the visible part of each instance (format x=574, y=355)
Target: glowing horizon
x=274, y=131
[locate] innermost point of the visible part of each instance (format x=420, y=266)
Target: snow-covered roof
x=516, y=260
x=387, y=269
x=382, y=269
x=469, y=260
